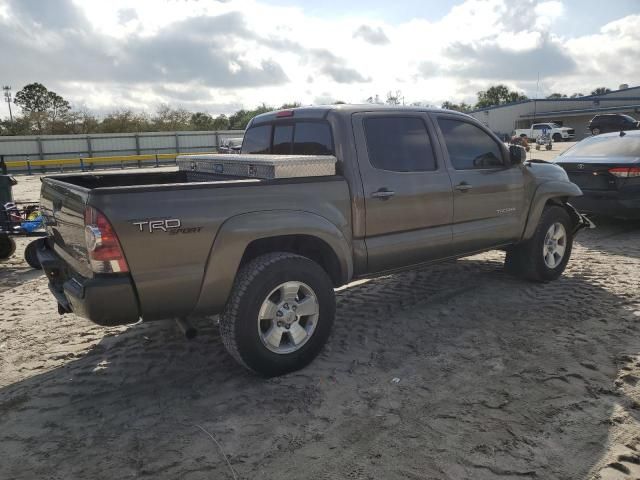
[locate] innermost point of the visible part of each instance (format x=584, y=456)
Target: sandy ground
x=452, y=372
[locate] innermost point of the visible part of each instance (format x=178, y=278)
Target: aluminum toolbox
x=259, y=166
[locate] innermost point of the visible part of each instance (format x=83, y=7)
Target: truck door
x=408, y=195
x=488, y=192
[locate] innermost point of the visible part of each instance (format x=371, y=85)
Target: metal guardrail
x=83, y=164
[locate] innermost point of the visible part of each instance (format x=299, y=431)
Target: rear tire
x=259, y=325
x=7, y=246
x=545, y=255
x=31, y=255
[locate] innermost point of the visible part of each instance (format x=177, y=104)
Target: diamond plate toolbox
x=259, y=166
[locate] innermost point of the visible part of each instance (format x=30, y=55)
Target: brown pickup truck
x=409, y=187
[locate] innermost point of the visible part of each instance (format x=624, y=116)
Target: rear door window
x=257, y=140
x=399, y=144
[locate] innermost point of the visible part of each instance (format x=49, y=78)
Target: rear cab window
x=257, y=140
x=289, y=138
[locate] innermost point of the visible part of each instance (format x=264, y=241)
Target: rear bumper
x=608, y=204
x=105, y=300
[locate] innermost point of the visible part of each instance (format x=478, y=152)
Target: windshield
x=616, y=146
x=555, y=125
x=629, y=118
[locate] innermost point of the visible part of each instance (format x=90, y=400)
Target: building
x=568, y=112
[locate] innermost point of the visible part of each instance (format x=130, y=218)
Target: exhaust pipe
x=188, y=330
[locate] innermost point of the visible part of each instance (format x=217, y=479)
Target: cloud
x=50, y=13
x=222, y=54
x=193, y=50
x=335, y=67
x=375, y=36
x=125, y=15
x=494, y=62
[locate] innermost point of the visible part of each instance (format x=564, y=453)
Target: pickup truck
x=555, y=131
x=411, y=186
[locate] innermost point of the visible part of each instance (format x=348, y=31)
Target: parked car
x=607, y=170
x=408, y=187
x=230, y=145
x=612, y=122
x=555, y=131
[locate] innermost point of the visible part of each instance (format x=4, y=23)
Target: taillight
x=625, y=172
x=103, y=247
x=285, y=113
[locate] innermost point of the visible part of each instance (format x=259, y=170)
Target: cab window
x=399, y=144
x=257, y=140
x=469, y=146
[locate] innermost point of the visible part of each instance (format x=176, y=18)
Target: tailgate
x=62, y=205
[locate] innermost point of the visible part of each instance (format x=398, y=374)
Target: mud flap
x=580, y=221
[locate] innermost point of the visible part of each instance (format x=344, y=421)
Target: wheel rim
x=288, y=317
x=555, y=245
x=596, y=131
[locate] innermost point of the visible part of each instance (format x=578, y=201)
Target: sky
x=219, y=56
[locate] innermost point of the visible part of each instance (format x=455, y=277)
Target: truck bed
x=168, y=268
x=137, y=179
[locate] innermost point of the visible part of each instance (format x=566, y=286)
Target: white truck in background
x=555, y=131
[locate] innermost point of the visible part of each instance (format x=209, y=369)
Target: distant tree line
x=46, y=112
x=501, y=95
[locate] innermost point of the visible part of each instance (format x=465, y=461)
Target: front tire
x=279, y=315
x=557, y=137
x=595, y=131
x=7, y=246
x=545, y=255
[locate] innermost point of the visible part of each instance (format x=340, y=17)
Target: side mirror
x=517, y=154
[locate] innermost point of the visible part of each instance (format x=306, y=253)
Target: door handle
x=463, y=187
x=383, y=194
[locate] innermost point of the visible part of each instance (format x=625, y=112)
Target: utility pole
x=7, y=98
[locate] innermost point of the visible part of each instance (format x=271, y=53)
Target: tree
x=44, y=108
x=557, y=95
x=33, y=98
x=202, y=121
x=462, y=107
x=221, y=122
x=125, y=121
x=81, y=121
x=498, y=95
x=576, y=95
x=170, y=119
x=601, y=91
x=59, y=109
x=287, y=106
x=240, y=119
x=394, y=98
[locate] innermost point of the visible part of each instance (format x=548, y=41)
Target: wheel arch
x=549, y=193
x=244, y=237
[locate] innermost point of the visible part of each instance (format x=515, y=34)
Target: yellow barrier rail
x=84, y=162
